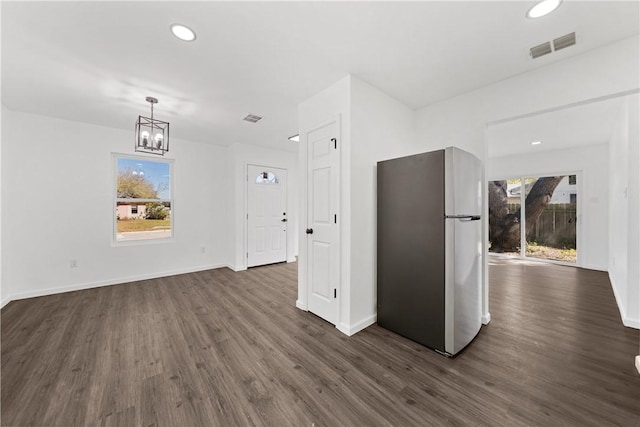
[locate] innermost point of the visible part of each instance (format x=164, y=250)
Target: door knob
x=309, y=230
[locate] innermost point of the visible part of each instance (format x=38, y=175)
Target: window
x=143, y=199
x=267, y=178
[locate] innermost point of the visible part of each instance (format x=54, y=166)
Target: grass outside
x=545, y=252
x=143, y=225
x=535, y=250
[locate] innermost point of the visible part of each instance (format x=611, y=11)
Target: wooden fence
x=556, y=226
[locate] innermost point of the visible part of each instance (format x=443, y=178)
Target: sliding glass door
x=535, y=217
x=504, y=217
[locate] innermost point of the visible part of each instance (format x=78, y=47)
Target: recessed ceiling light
x=536, y=143
x=295, y=138
x=183, y=33
x=543, y=8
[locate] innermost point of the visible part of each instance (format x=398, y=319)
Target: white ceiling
x=96, y=62
x=577, y=126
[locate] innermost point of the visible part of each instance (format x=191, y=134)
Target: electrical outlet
x=73, y=263
x=203, y=249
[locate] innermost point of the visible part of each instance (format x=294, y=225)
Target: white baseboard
x=486, y=318
x=301, y=305
x=344, y=328
x=357, y=327
x=631, y=323
x=595, y=267
x=98, y=284
x=638, y=363
x=626, y=321
x=234, y=268
x=292, y=259
x=4, y=302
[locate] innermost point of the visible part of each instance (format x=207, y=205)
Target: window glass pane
x=152, y=221
x=143, y=179
x=551, y=222
x=504, y=216
x=267, y=178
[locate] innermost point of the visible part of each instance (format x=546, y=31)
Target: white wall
x=592, y=162
x=461, y=121
x=381, y=129
x=57, y=205
x=3, y=292
x=618, y=208
x=633, y=246
x=241, y=155
x=624, y=199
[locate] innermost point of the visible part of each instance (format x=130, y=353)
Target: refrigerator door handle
x=464, y=217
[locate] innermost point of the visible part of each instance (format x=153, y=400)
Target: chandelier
x=152, y=135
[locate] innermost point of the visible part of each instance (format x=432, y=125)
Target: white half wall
x=241, y=155
x=592, y=162
x=57, y=205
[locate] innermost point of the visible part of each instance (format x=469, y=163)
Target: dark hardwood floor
x=224, y=348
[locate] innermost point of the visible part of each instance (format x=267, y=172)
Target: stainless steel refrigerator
x=429, y=248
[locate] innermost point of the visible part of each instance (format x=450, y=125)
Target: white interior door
x=266, y=215
x=322, y=227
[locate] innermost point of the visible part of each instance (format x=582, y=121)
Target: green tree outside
x=132, y=185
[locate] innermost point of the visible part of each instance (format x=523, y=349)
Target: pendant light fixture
x=152, y=135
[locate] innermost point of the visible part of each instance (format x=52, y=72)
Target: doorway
x=266, y=215
x=535, y=217
x=571, y=143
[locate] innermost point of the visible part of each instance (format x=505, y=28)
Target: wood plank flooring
x=219, y=348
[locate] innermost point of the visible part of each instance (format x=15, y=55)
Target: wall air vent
x=252, y=118
x=541, y=49
x=564, y=41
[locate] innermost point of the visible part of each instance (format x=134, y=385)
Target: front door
x=266, y=215
x=322, y=213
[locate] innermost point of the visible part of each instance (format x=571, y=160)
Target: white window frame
x=116, y=199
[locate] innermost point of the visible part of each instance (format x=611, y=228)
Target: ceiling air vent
x=252, y=118
x=564, y=41
x=541, y=49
